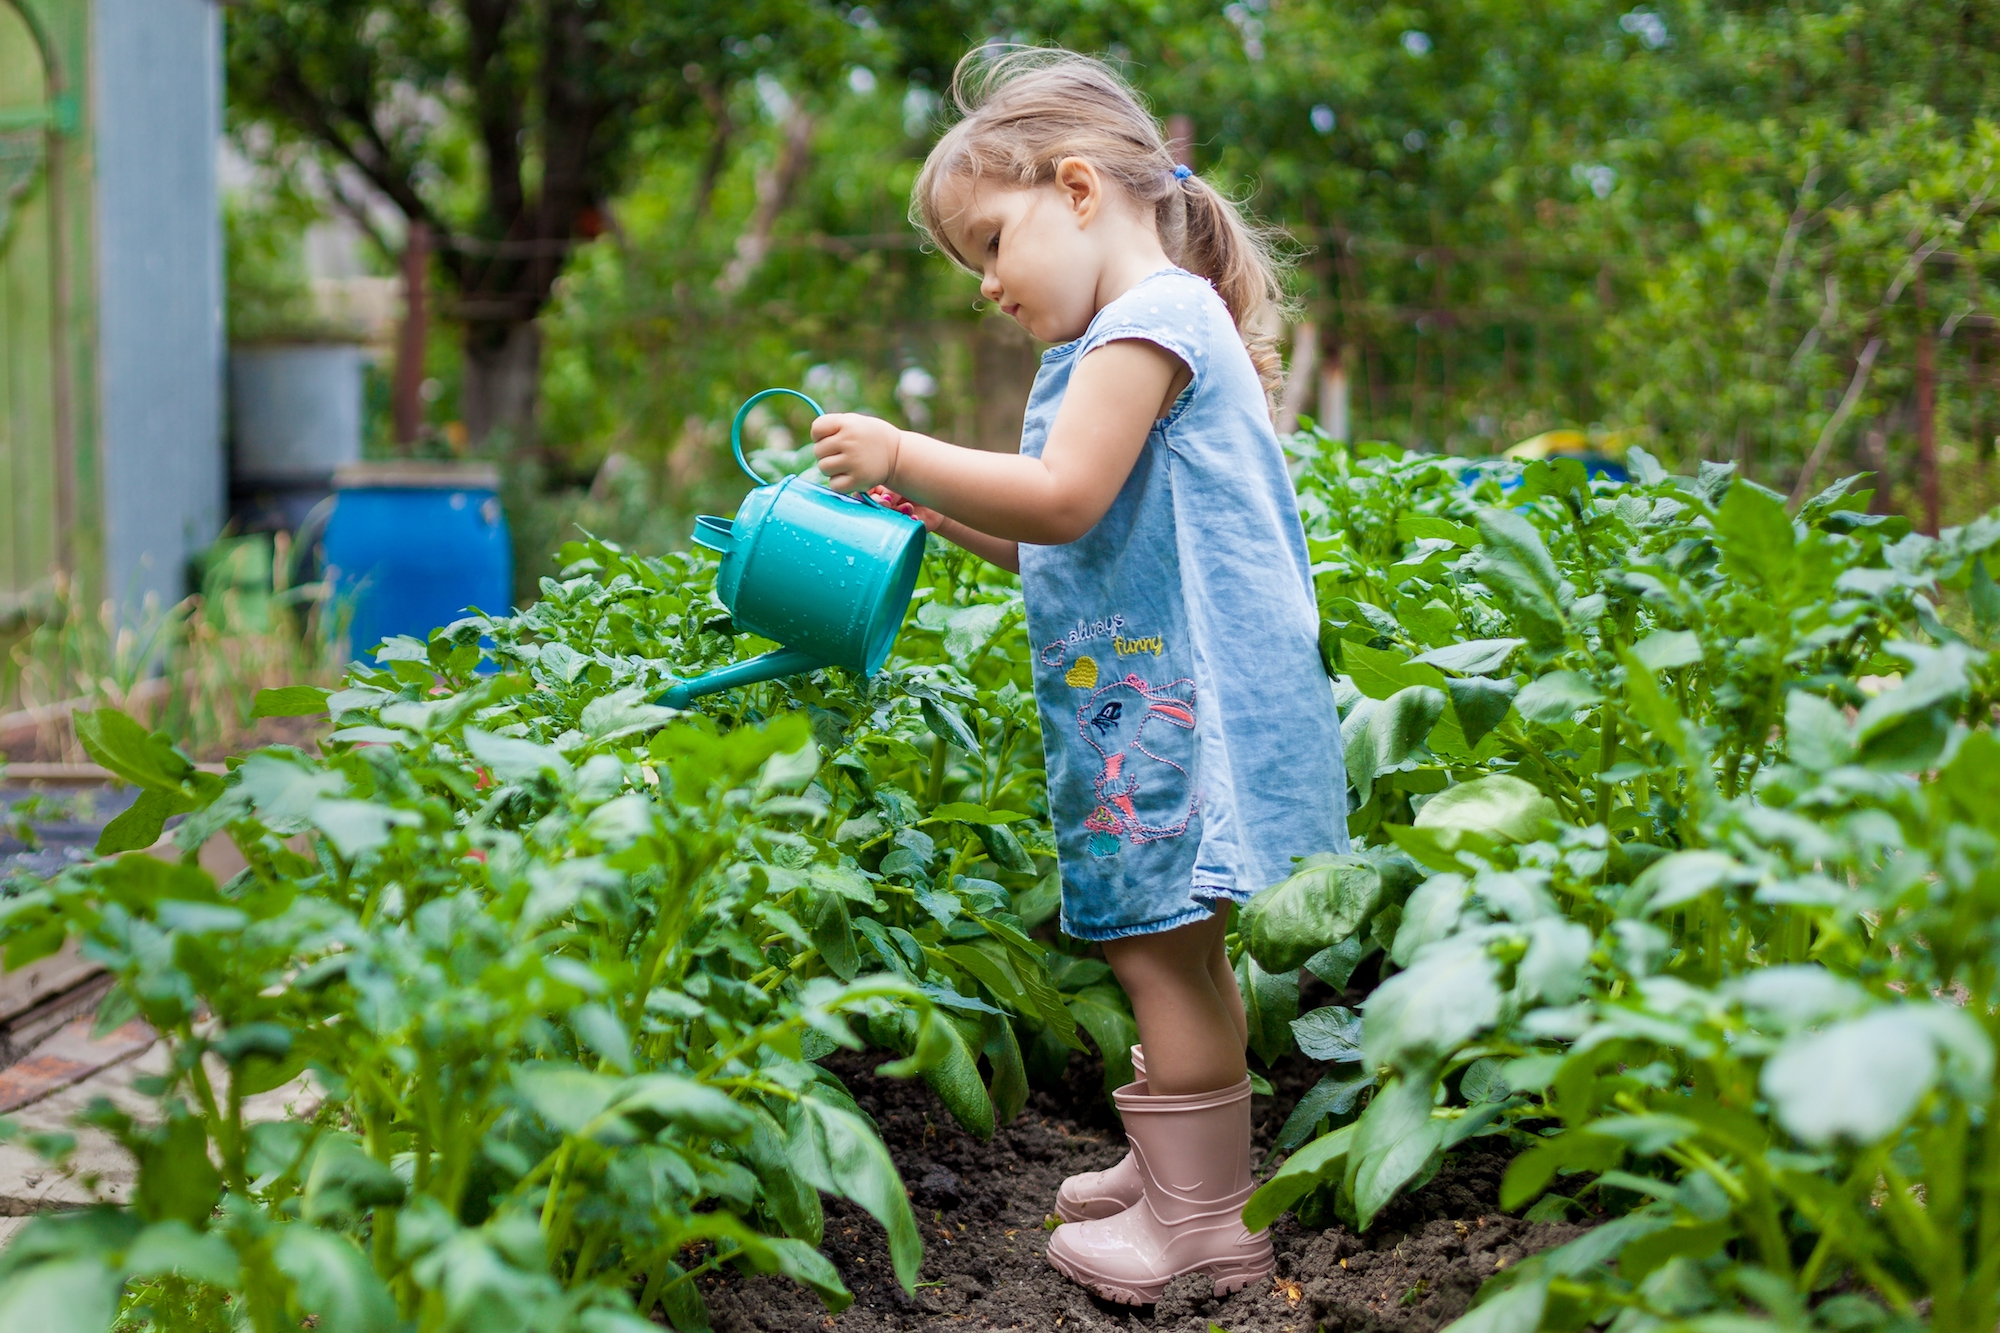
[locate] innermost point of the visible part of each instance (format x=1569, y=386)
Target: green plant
x=556, y=964
x=1680, y=853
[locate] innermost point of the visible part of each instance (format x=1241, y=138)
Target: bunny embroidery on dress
x=1144, y=736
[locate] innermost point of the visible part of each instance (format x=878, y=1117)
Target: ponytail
x=1240, y=260
x=1027, y=109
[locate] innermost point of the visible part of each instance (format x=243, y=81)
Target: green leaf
x=1530, y=1173
x=1682, y=877
x=1415, y=527
x=144, y=759
x=568, y=1099
x=1755, y=535
x=1322, y=1160
x=1394, y=728
x=839, y=1152
x=1330, y=1032
x=1009, y=1087
x=1474, y=657
x=1517, y=1309
x=1270, y=1003
x=334, y=1281
x=1555, y=699
x=1441, y=1002
x=139, y=825
x=1105, y=1013
x=1856, y=1080
x=1983, y=596
x=1901, y=727
x=1817, y=735
x=344, y=1182
x=949, y=725
x=1500, y=807
x=1378, y=674
x=1321, y=904
x=964, y=812
x=71, y=1295
x=1332, y=1095
x=1514, y=564
x=514, y=760
x=792, y=1200
x=949, y=1053
x=651, y=1101
x=1393, y=1140
x=1429, y=915
x=176, y=1248
x=1663, y=650
x=1480, y=705
x=1335, y=964
x=290, y=701
x=176, y=1178
x=625, y=713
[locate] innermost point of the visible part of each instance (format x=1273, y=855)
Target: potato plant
x=1682, y=814
x=546, y=969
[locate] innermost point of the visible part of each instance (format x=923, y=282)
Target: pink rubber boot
x=1193, y=1159
x=1092, y=1194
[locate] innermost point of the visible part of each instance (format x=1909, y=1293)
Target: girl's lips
x=1011, y=311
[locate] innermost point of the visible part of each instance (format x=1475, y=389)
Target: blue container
x=413, y=546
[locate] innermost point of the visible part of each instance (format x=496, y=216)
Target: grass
x=191, y=669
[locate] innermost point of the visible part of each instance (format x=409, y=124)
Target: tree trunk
x=501, y=385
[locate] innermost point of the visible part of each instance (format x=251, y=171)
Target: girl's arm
x=1115, y=395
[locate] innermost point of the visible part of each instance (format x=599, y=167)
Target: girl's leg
x=1225, y=978
x=1188, y=1021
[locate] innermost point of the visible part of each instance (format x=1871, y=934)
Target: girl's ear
x=1082, y=188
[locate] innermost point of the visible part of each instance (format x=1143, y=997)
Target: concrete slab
x=99, y=1170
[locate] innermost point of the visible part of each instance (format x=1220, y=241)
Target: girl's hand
x=855, y=451
x=930, y=518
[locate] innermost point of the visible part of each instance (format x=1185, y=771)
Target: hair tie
x=1182, y=171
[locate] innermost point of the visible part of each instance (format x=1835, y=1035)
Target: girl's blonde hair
x=1025, y=110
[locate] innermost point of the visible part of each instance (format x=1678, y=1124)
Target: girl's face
x=1047, y=254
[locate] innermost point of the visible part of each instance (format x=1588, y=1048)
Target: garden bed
x=984, y=1210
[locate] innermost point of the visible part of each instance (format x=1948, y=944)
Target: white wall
x=157, y=84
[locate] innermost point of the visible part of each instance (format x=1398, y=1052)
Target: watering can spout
x=767, y=666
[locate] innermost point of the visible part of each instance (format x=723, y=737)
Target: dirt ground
x=984, y=1206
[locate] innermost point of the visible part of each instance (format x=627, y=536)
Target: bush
x=551, y=965
x=1682, y=828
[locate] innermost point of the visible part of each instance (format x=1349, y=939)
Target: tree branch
x=774, y=188
x=1855, y=385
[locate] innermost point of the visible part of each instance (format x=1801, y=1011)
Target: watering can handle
x=736, y=438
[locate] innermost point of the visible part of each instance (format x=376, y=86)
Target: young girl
x=1192, y=744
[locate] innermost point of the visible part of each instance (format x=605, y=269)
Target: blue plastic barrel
x=412, y=546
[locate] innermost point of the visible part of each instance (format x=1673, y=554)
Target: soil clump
x=984, y=1209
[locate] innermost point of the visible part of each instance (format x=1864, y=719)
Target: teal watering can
x=827, y=575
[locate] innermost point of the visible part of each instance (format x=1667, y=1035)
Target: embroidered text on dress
x=1054, y=653
x=1131, y=647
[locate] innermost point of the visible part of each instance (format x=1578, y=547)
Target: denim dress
x=1192, y=741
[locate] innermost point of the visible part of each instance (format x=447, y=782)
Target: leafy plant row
x=1682, y=829
x=541, y=970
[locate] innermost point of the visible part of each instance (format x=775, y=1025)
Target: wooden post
x=1333, y=393
x=1299, y=376
x=1180, y=139
x=410, y=339
x=1927, y=468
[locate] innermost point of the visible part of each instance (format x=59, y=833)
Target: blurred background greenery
x=1748, y=232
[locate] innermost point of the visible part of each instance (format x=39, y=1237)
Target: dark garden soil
x=984, y=1209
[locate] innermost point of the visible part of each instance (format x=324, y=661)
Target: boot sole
x=1228, y=1278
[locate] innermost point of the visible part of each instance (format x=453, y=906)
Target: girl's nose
x=989, y=287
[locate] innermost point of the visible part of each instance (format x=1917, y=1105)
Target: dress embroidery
x=1144, y=736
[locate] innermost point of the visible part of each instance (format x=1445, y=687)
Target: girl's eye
x=993, y=245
